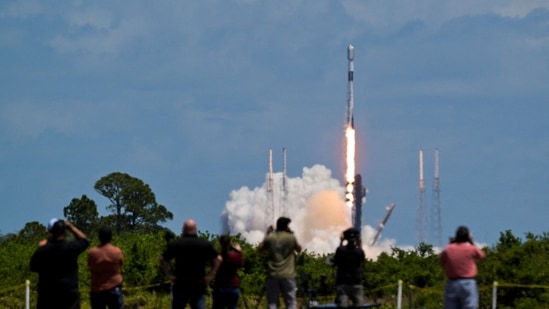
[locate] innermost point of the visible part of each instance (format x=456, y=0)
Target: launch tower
x=436, y=222
x=421, y=206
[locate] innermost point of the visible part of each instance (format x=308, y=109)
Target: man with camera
x=349, y=260
x=56, y=261
x=281, y=247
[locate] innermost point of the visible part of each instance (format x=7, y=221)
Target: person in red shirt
x=226, y=290
x=459, y=261
x=105, y=263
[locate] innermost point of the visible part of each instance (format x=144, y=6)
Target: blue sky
x=189, y=96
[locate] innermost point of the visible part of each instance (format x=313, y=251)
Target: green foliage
x=133, y=203
x=518, y=265
x=521, y=267
x=83, y=214
x=141, y=258
x=14, y=261
x=32, y=232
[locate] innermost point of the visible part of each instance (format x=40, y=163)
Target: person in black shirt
x=349, y=260
x=192, y=254
x=56, y=262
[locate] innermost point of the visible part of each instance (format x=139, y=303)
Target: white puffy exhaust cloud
x=314, y=202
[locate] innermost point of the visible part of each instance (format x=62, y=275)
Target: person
x=226, y=290
x=105, y=263
x=349, y=261
x=459, y=261
x=56, y=262
x=281, y=247
x=192, y=254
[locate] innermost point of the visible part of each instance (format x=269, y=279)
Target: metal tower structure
x=421, y=207
x=359, y=194
x=436, y=221
x=284, y=208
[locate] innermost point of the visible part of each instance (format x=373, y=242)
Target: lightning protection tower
x=436, y=221
x=284, y=203
x=420, y=207
x=270, y=211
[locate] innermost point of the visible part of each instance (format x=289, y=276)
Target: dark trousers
x=226, y=298
x=186, y=293
x=111, y=299
x=65, y=300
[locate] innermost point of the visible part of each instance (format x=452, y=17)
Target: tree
x=83, y=213
x=32, y=232
x=133, y=205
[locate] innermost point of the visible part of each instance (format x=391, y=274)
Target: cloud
x=95, y=18
x=24, y=9
x=28, y=119
x=393, y=14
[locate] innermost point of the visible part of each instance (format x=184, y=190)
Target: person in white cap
x=56, y=262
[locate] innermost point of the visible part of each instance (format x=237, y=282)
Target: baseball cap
x=51, y=223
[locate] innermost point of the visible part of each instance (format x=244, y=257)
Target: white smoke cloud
x=314, y=202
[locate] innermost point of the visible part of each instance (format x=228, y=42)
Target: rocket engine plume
x=350, y=166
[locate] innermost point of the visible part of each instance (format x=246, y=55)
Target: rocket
x=350, y=99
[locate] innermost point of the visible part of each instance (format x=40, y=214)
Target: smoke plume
x=315, y=203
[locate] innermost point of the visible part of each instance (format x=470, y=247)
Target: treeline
x=521, y=266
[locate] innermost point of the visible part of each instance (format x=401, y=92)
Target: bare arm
x=480, y=254
x=261, y=245
x=167, y=269
x=75, y=231
x=297, y=247
x=216, y=262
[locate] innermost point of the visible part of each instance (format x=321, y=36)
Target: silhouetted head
x=351, y=234
x=56, y=227
x=105, y=235
x=189, y=228
x=462, y=234
x=225, y=242
x=282, y=224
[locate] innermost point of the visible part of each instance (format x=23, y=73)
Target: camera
x=351, y=234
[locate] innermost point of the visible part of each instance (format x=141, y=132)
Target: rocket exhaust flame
x=350, y=166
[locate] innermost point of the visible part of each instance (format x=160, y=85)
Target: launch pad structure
x=429, y=223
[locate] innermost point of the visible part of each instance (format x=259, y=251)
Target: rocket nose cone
x=350, y=52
